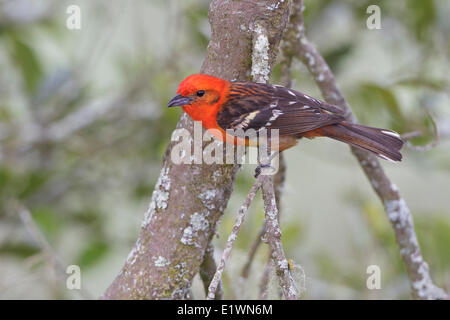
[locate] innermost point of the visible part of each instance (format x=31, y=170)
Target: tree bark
x=188, y=200
x=297, y=44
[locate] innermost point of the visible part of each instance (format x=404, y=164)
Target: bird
x=225, y=107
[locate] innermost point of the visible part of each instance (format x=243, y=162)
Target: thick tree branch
x=396, y=208
x=189, y=199
x=272, y=232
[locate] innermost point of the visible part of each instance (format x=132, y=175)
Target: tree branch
x=232, y=238
x=260, y=73
x=396, y=208
x=428, y=146
x=189, y=199
x=264, y=282
x=279, y=177
x=53, y=258
x=273, y=238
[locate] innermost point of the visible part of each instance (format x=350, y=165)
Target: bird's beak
x=178, y=101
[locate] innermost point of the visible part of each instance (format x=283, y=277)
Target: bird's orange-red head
x=201, y=96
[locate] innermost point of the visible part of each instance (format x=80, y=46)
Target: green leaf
x=422, y=15
x=382, y=230
x=31, y=182
x=48, y=221
x=5, y=179
x=292, y=234
x=334, y=56
x=386, y=96
x=93, y=253
x=196, y=15
x=26, y=60
x=433, y=84
x=19, y=250
x=435, y=247
x=375, y=104
x=142, y=189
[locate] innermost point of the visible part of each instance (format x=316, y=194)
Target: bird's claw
x=260, y=167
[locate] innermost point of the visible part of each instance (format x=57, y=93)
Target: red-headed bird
x=229, y=105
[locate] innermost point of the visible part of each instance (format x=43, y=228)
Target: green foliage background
x=87, y=188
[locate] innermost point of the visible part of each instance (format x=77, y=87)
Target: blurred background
x=83, y=127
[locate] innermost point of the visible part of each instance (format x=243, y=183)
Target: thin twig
x=411, y=135
x=430, y=145
x=273, y=238
x=252, y=252
x=47, y=249
x=260, y=73
x=399, y=214
x=40, y=239
x=278, y=185
x=183, y=185
x=264, y=282
x=56, y=132
x=232, y=238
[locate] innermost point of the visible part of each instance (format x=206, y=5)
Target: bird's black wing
x=256, y=106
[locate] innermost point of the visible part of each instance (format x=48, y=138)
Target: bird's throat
x=206, y=114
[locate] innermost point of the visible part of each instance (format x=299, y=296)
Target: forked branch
x=260, y=73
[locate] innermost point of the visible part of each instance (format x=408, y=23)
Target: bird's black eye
x=200, y=93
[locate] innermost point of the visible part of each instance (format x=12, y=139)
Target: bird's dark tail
x=384, y=143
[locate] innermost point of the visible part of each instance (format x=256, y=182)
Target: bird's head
x=200, y=95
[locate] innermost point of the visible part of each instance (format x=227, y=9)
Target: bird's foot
x=265, y=169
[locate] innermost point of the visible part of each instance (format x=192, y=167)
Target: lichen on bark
x=189, y=199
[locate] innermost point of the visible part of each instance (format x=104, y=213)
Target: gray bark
x=297, y=44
